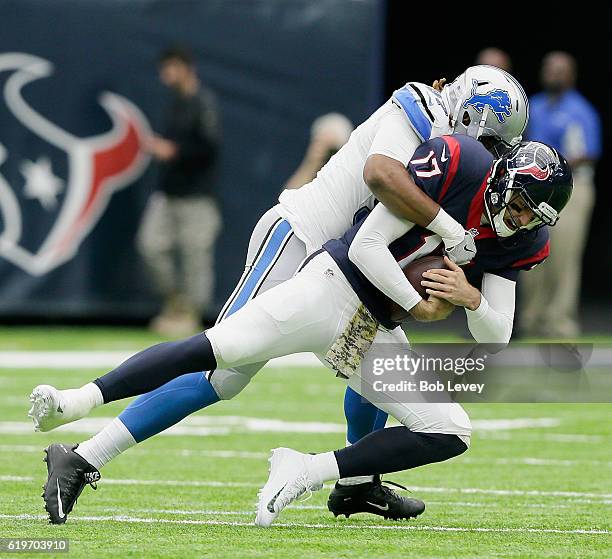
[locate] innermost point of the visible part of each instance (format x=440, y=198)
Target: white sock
x=107, y=444
x=355, y=480
x=324, y=467
x=78, y=402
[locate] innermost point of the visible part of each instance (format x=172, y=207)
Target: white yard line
x=530, y=461
x=415, y=488
x=568, y=438
x=202, y=425
x=513, y=356
x=233, y=454
x=443, y=504
x=110, y=359
x=230, y=454
x=334, y=526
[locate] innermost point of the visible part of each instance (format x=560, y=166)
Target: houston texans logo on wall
x=66, y=180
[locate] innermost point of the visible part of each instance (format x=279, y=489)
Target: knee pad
x=458, y=419
x=228, y=383
x=447, y=418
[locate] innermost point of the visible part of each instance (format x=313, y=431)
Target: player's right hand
x=431, y=309
x=464, y=251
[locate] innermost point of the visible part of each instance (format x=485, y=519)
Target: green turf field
x=540, y=490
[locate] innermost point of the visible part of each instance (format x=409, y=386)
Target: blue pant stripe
x=267, y=258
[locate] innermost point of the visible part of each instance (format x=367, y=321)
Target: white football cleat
x=46, y=412
x=289, y=478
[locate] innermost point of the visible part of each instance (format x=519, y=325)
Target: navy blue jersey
x=453, y=170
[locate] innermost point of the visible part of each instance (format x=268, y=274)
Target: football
x=414, y=274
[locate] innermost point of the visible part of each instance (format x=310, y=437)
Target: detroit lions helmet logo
x=497, y=99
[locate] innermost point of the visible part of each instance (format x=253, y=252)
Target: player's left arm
x=369, y=251
x=490, y=311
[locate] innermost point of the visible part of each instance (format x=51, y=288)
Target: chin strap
x=483, y=121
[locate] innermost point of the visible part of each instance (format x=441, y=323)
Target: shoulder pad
x=414, y=105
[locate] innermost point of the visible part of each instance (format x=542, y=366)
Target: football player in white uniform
x=483, y=102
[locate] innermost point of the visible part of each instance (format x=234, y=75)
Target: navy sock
x=155, y=366
x=154, y=412
x=361, y=417
x=395, y=449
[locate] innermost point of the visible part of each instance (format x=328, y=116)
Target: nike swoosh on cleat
x=60, y=509
x=271, y=502
x=386, y=507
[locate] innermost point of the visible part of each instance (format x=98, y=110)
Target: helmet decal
x=536, y=172
x=534, y=162
x=497, y=99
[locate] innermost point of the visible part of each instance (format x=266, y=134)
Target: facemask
x=501, y=228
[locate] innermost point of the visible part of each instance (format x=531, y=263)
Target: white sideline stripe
x=569, y=438
x=335, y=526
x=232, y=454
x=445, y=504
x=516, y=356
x=415, y=488
x=202, y=512
x=110, y=359
x=229, y=424
x=138, y=451
x=529, y=461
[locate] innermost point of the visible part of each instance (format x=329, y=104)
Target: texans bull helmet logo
x=66, y=181
x=532, y=159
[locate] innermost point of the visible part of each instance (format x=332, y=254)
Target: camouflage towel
x=347, y=352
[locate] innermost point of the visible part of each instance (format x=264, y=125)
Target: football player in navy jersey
x=337, y=305
x=506, y=241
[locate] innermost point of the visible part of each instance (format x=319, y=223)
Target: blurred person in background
x=492, y=56
x=182, y=220
x=328, y=134
x=563, y=118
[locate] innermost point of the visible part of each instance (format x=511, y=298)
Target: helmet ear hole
x=466, y=119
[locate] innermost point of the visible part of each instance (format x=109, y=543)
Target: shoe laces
x=388, y=492
x=395, y=484
x=302, y=484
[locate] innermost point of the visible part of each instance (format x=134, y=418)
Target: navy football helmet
x=539, y=175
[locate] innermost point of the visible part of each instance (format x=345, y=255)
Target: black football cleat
x=375, y=498
x=68, y=473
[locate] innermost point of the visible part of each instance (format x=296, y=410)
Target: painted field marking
x=335, y=526
x=199, y=425
x=110, y=359
x=415, y=488
x=512, y=356
x=233, y=454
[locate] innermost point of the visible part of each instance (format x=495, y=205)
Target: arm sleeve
x=370, y=253
x=394, y=137
x=492, y=321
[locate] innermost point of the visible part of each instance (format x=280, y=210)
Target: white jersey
x=325, y=208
